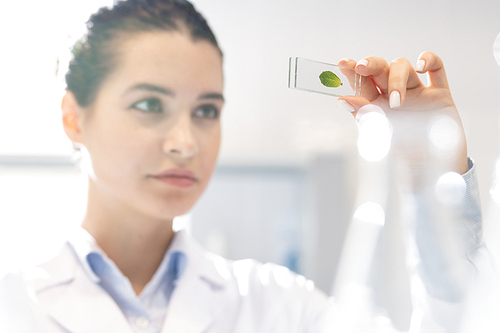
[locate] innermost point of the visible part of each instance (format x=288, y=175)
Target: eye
x=153, y=105
x=207, y=111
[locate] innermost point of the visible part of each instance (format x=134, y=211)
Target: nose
x=180, y=142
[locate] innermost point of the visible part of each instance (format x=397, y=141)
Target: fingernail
x=420, y=66
x=345, y=59
x=395, y=100
x=362, y=62
x=345, y=105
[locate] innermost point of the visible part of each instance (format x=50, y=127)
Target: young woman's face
x=153, y=132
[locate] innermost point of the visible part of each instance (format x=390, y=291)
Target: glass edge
x=318, y=92
x=322, y=62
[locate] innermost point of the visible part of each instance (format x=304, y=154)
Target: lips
x=177, y=178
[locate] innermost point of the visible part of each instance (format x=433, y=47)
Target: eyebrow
x=212, y=96
x=168, y=92
x=151, y=87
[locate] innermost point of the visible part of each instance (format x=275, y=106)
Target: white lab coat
x=213, y=295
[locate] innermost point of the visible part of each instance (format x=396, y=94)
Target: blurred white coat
x=213, y=295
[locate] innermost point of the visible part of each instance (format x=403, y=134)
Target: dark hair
x=94, y=56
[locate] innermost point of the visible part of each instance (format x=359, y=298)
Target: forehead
x=168, y=58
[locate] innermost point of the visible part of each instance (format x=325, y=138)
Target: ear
x=72, y=114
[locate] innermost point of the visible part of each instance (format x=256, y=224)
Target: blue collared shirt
x=145, y=312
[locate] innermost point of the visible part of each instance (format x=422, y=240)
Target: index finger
x=433, y=65
x=402, y=76
x=347, y=68
x=354, y=103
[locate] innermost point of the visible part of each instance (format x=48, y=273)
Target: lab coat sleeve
x=470, y=223
x=452, y=290
x=441, y=279
x=469, y=217
x=449, y=294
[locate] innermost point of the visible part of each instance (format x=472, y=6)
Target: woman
x=144, y=98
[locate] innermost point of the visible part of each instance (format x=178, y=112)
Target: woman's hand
x=398, y=86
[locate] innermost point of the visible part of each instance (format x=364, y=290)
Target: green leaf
x=330, y=79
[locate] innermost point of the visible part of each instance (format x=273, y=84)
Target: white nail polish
x=395, y=100
x=362, y=62
x=420, y=66
x=345, y=105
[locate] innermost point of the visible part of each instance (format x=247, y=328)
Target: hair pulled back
x=94, y=56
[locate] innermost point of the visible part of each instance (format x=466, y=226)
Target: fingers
x=402, y=76
x=430, y=63
x=356, y=102
x=394, y=83
x=375, y=72
x=390, y=80
x=348, y=71
x=352, y=103
x=358, y=106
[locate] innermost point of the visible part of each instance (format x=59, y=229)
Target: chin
x=169, y=210
x=168, y=217
x=170, y=204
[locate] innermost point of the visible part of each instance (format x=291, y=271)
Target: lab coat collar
x=199, y=294
x=211, y=267
x=85, y=307
x=83, y=244
x=201, y=263
x=57, y=271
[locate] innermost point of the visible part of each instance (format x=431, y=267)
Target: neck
x=136, y=243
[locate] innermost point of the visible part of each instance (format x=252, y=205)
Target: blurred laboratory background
x=284, y=190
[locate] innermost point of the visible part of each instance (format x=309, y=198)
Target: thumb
x=352, y=103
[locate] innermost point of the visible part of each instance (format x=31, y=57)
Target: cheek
x=117, y=152
x=210, y=149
